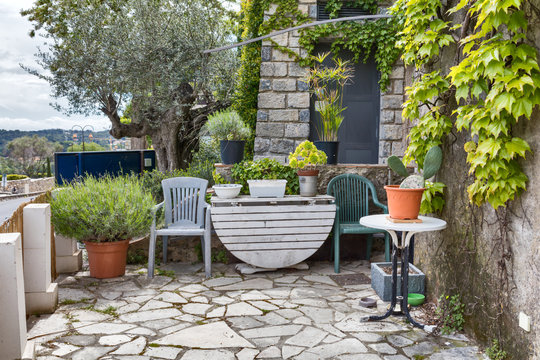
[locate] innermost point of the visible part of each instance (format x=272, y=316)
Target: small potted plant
x=404, y=200
x=305, y=158
x=228, y=128
x=327, y=83
x=104, y=214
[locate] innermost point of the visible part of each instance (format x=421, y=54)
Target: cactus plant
x=432, y=164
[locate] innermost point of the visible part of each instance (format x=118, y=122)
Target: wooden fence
x=15, y=225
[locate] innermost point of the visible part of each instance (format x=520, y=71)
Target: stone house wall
x=283, y=117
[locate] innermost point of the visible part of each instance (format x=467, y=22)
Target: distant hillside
x=55, y=135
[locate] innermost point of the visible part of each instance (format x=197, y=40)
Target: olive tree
x=103, y=55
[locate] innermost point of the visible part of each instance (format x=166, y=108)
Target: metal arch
x=315, y=23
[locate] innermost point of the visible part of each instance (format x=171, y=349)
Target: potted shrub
x=327, y=84
x=404, y=200
x=104, y=214
x=228, y=128
x=305, y=158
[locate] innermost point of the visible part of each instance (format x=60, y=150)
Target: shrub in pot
x=305, y=158
x=104, y=214
x=228, y=128
x=404, y=200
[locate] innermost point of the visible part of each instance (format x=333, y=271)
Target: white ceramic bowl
x=227, y=191
x=267, y=188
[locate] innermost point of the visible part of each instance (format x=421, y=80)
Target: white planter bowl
x=267, y=188
x=227, y=191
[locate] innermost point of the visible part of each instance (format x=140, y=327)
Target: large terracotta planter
x=403, y=204
x=107, y=259
x=308, y=182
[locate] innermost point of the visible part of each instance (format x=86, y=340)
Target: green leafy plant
x=494, y=352
x=264, y=169
x=246, y=92
x=102, y=210
x=306, y=155
x=432, y=164
x=226, y=125
x=450, y=314
x=493, y=83
x=328, y=83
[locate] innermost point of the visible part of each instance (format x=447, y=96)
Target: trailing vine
x=494, y=83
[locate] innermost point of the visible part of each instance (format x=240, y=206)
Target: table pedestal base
x=403, y=299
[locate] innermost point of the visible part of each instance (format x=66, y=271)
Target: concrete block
x=69, y=263
x=37, y=226
x=13, y=307
x=64, y=246
x=42, y=302
x=29, y=351
x=381, y=282
x=37, y=270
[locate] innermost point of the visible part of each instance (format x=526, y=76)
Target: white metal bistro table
x=408, y=230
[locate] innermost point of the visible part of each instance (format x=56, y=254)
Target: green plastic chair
x=352, y=193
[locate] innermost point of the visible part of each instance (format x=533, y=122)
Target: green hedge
x=15, y=177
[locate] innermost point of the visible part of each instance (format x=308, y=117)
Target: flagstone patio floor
x=284, y=314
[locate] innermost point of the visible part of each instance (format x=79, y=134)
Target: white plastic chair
x=186, y=214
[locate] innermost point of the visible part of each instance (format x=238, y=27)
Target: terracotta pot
x=107, y=259
x=403, y=204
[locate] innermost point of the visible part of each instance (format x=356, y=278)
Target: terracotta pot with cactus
x=404, y=200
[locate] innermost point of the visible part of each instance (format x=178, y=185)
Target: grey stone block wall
x=283, y=105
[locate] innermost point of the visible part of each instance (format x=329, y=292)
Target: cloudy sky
x=25, y=99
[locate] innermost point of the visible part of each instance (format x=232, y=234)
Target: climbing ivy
x=245, y=97
x=363, y=39
x=494, y=83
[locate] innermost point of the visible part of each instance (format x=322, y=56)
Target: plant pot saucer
x=405, y=221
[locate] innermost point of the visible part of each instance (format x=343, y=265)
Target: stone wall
x=490, y=258
x=29, y=185
x=283, y=117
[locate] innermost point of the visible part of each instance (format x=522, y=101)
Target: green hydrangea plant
x=306, y=156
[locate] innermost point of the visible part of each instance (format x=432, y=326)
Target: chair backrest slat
x=184, y=199
x=352, y=194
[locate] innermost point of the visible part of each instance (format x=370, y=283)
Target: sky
x=24, y=98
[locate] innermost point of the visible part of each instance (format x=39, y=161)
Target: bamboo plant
x=328, y=83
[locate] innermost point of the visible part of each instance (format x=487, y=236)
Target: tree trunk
x=175, y=136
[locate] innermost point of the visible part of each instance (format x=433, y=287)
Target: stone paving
x=285, y=314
